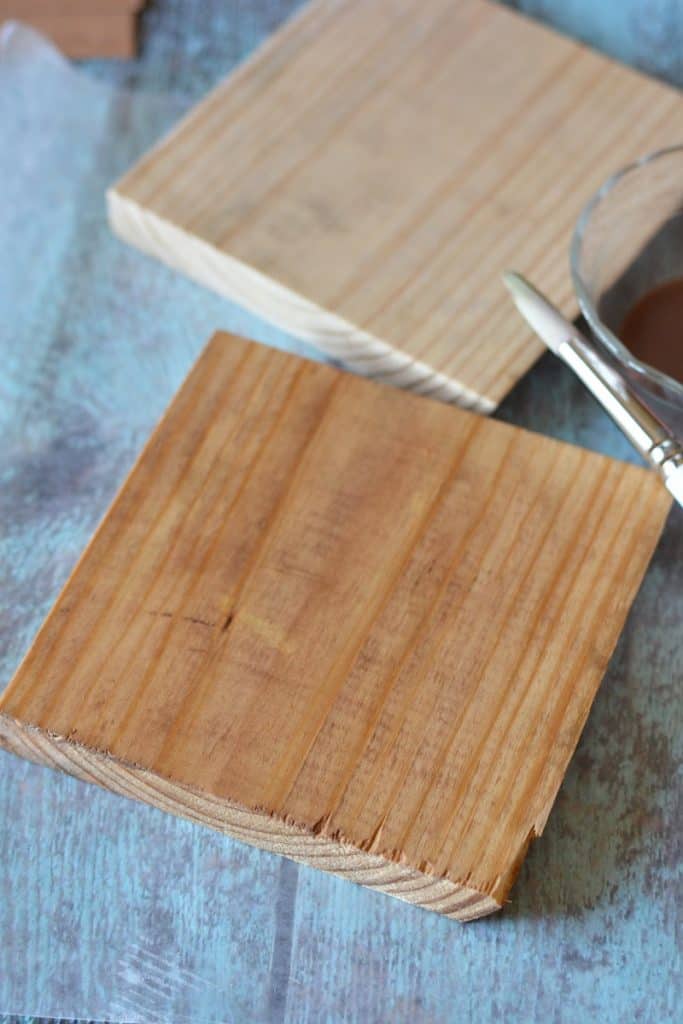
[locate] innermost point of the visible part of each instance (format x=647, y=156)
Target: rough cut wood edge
x=338, y=338
x=457, y=900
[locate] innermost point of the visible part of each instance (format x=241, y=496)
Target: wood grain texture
x=87, y=878
x=350, y=625
x=365, y=178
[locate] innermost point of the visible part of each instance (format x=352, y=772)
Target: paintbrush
x=643, y=429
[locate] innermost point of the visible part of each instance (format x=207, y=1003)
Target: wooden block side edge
x=457, y=900
x=332, y=334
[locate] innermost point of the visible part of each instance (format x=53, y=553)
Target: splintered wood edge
x=336, y=337
x=458, y=900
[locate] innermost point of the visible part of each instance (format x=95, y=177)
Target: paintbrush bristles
x=541, y=315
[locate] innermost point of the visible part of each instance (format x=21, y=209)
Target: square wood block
x=366, y=176
x=350, y=625
x=81, y=28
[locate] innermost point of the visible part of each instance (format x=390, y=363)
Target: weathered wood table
x=105, y=900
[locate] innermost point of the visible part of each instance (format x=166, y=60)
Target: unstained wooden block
x=365, y=178
x=351, y=625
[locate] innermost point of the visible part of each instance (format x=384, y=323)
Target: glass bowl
x=627, y=241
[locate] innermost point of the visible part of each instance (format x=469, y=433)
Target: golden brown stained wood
x=81, y=28
x=357, y=627
x=364, y=179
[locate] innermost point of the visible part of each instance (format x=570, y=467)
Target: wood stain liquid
x=653, y=329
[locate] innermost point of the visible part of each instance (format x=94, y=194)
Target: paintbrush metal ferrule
x=645, y=431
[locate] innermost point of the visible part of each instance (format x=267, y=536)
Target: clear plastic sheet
x=101, y=900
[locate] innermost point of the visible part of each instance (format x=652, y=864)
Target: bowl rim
x=600, y=329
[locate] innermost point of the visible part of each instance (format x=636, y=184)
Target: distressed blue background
x=645, y=33
x=594, y=929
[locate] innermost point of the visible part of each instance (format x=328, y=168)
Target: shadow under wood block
x=614, y=835
x=353, y=626
x=363, y=180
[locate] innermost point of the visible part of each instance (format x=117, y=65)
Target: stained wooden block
x=354, y=626
x=365, y=178
x=81, y=28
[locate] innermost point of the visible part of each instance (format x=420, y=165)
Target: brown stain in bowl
x=653, y=328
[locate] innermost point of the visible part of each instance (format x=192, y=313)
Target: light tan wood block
x=365, y=178
x=355, y=626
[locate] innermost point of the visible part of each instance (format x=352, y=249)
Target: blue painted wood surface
x=110, y=907
x=645, y=33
